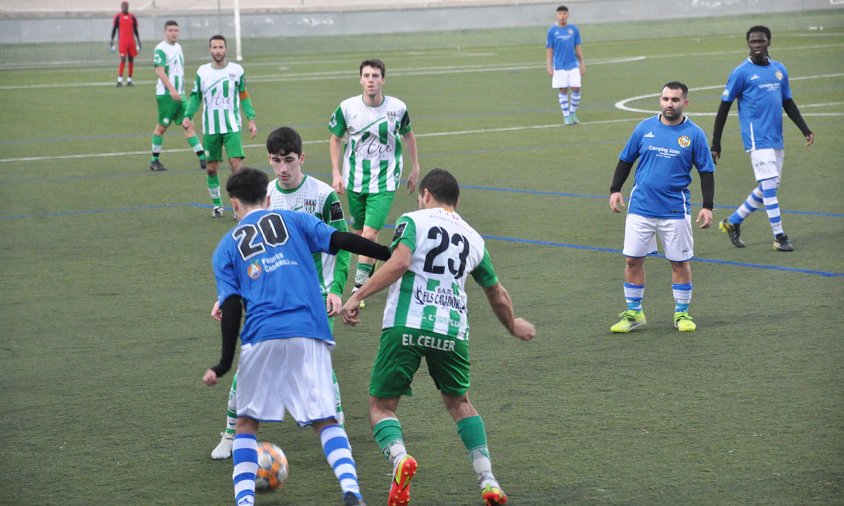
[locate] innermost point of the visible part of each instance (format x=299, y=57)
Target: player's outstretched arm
x=501, y=304
x=392, y=270
x=359, y=245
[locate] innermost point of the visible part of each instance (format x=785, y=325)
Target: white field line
x=622, y=104
x=480, y=131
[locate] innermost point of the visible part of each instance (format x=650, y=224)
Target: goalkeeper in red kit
x=127, y=25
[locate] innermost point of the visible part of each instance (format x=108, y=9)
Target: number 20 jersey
x=431, y=295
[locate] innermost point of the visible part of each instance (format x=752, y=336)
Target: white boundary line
x=431, y=134
x=346, y=74
x=622, y=104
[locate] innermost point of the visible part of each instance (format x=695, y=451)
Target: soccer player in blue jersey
x=265, y=264
x=667, y=146
x=761, y=87
x=564, y=62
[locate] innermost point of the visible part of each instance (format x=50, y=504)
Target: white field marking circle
x=622, y=104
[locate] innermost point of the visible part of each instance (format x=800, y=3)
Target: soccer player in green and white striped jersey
x=433, y=252
x=169, y=63
x=221, y=87
x=377, y=132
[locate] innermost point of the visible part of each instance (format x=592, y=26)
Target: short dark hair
x=758, y=28
x=248, y=185
x=677, y=85
x=374, y=63
x=217, y=37
x=170, y=22
x=442, y=186
x=562, y=8
x=284, y=141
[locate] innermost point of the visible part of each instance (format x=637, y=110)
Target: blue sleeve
x=576, y=36
x=733, y=88
x=702, y=155
x=786, y=87
x=224, y=270
x=549, y=41
x=316, y=232
x=631, y=151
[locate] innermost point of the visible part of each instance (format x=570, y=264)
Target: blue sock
x=245, y=461
x=634, y=294
x=338, y=453
x=682, y=296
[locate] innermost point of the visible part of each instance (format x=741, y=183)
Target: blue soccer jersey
x=563, y=40
x=666, y=155
x=760, y=90
x=267, y=259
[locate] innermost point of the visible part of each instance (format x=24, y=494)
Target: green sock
x=157, y=142
x=197, y=147
x=363, y=272
x=472, y=432
x=386, y=433
x=214, y=190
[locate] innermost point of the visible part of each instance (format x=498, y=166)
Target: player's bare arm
x=392, y=271
x=333, y=304
x=704, y=217
x=578, y=51
x=412, y=153
x=162, y=74
x=549, y=61
x=616, y=202
x=253, y=129
x=335, y=150
x=501, y=304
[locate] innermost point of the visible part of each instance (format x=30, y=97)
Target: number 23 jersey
x=431, y=295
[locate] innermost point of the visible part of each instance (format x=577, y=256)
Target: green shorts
x=214, y=146
x=169, y=110
x=370, y=209
x=400, y=352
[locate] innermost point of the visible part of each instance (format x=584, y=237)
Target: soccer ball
x=272, y=468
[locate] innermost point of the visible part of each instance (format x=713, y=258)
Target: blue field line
x=606, y=197
x=826, y=274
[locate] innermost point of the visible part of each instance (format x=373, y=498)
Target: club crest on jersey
x=393, y=115
x=310, y=206
x=336, y=211
x=399, y=231
x=254, y=270
x=778, y=74
x=684, y=141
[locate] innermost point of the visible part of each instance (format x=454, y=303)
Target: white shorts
x=286, y=375
x=640, y=237
x=767, y=163
x=566, y=78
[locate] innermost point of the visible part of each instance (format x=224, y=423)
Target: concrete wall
x=16, y=28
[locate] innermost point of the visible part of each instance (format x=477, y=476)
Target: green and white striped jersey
x=431, y=295
x=372, y=162
x=318, y=199
x=170, y=57
x=220, y=91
